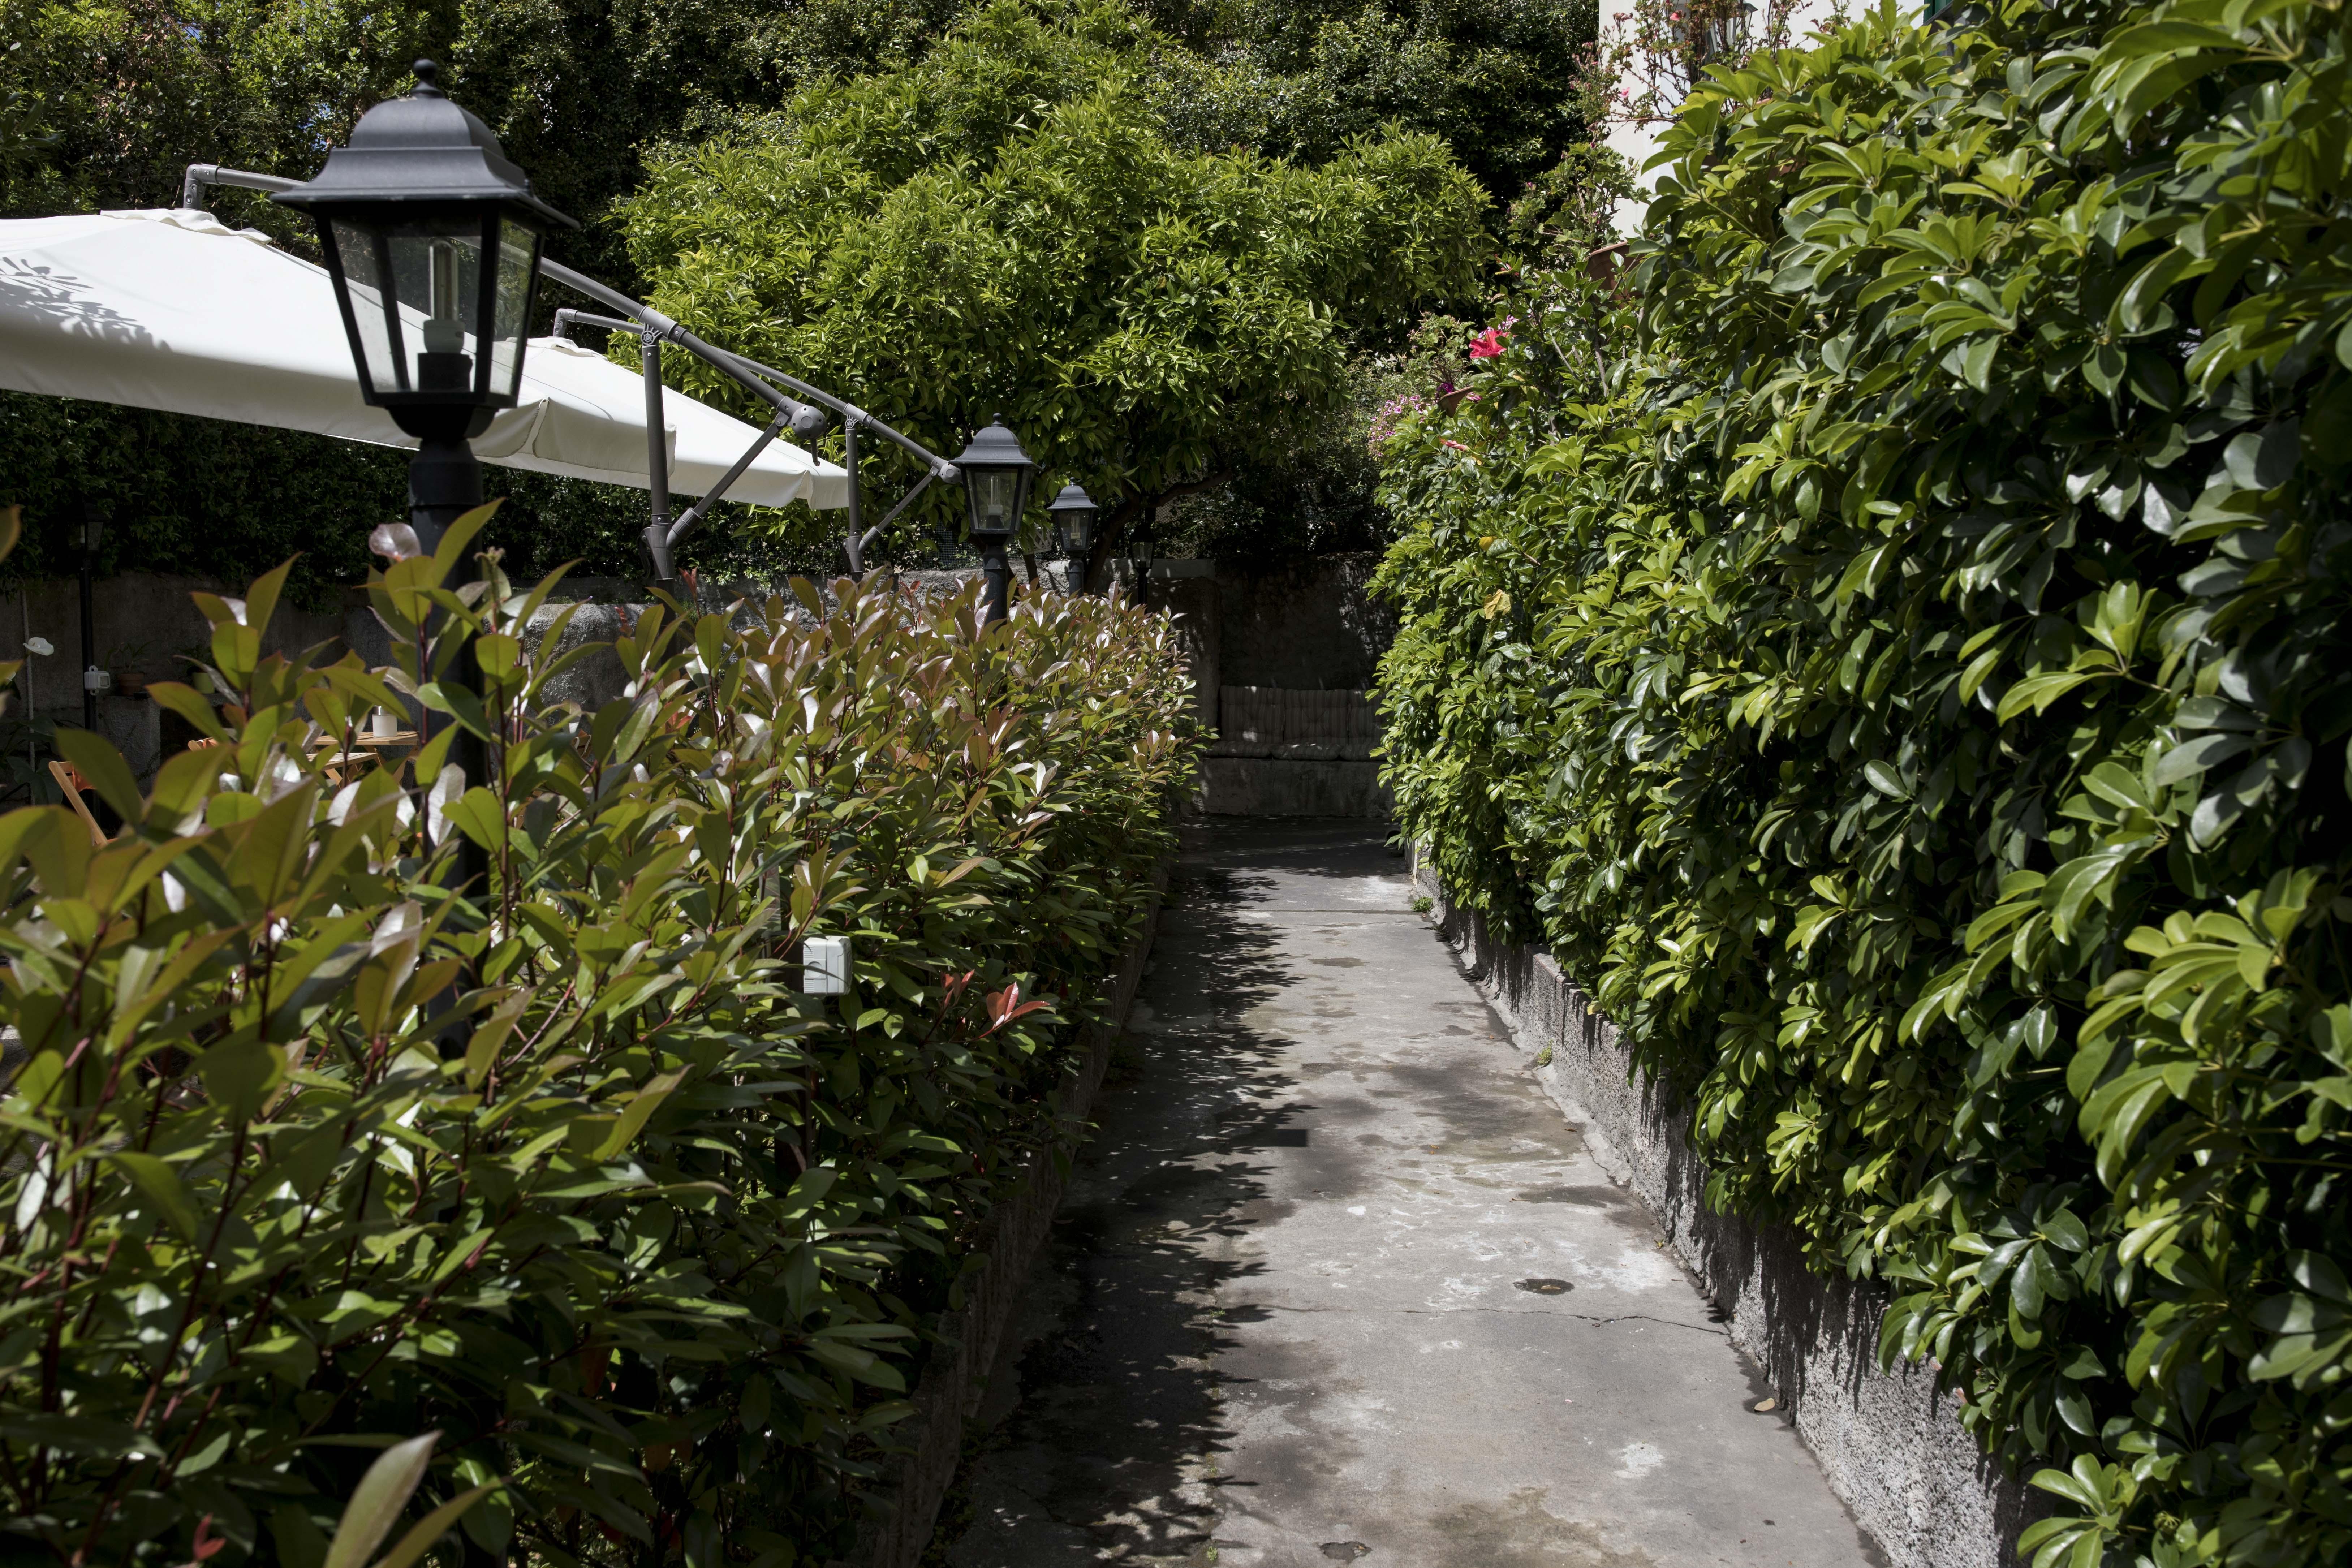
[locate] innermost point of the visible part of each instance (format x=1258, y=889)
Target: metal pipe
x=855, y=540
x=905, y=501
x=199, y=176
x=657, y=534
x=567, y=318
x=938, y=467
x=88, y=629
x=694, y=514
x=32, y=697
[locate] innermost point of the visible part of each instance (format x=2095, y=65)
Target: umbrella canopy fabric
x=173, y=309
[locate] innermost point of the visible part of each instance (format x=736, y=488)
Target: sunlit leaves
x=1978, y=876
x=313, y=1149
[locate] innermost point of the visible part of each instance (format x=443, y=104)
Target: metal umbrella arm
x=800, y=417
x=654, y=328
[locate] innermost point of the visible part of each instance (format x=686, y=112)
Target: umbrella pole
x=658, y=553
x=855, y=543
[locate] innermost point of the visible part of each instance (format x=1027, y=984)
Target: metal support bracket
x=653, y=328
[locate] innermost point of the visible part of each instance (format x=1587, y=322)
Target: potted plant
x=124, y=663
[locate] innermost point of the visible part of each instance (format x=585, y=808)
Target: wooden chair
x=69, y=780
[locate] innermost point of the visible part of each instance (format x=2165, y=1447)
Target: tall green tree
x=1496, y=78
x=1006, y=226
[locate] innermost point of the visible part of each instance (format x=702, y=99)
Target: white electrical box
x=825, y=965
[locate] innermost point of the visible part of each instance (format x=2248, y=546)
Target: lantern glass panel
x=420, y=300
x=375, y=315
x=518, y=266
x=995, y=500
x=436, y=270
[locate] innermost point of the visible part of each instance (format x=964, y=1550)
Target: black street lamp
x=432, y=238
x=996, y=478
x=1073, y=512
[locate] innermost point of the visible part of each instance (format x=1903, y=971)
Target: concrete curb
x=1890, y=1446
x=903, y=1511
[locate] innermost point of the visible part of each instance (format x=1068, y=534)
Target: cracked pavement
x=1336, y=1281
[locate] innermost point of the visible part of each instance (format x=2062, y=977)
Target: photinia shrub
x=312, y=1153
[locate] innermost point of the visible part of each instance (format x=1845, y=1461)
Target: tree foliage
x=311, y=1154
x=1899, y=660
x=1005, y=227
x=1494, y=79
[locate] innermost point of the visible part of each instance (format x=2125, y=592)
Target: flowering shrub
x=1392, y=413
x=1902, y=667
x=312, y=1153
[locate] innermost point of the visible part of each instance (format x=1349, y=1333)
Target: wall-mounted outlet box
x=825, y=965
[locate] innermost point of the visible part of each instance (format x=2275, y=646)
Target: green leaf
x=376, y=1503
x=108, y=773
x=160, y=1187
x=431, y=1528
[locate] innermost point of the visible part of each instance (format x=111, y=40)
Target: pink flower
x=1457, y=445
x=1488, y=345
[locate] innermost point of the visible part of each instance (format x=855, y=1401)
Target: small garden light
x=1073, y=512
x=825, y=965
x=996, y=478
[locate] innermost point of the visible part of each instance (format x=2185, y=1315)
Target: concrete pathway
x=1338, y=1281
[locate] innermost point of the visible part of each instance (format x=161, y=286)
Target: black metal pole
x=856, y=543
x=445, y=482
x=88, y=629
x=998, y=569
x=657, y=550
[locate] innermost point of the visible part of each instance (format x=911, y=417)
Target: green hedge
x=205, y=497
x=1898, y=660
x=640, y=1228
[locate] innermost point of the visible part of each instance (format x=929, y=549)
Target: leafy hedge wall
x=637, y=1226
x=1899, y=659
x=179, y=494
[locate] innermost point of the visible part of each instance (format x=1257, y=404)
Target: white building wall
x=1638, y=143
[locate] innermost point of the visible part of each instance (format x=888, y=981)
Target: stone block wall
x=1281, y=752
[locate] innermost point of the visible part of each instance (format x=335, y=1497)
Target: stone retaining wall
x=1892, y=1448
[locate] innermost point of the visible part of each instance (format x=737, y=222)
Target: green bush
x=1899, y=662
x=311, y=1154
x=1005, y=227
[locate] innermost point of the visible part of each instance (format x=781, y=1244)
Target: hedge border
x=905, y=1509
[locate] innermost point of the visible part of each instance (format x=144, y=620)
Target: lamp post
x=1138, y=561
x=432, y=239
x=90, y=529
x=996, y=478
x=1073, y=512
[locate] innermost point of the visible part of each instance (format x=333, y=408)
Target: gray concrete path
x=1338, y=1281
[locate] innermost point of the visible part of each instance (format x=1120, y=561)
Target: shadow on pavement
x=1107, y=1445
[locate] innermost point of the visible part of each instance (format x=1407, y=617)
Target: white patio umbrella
x=173, y=309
